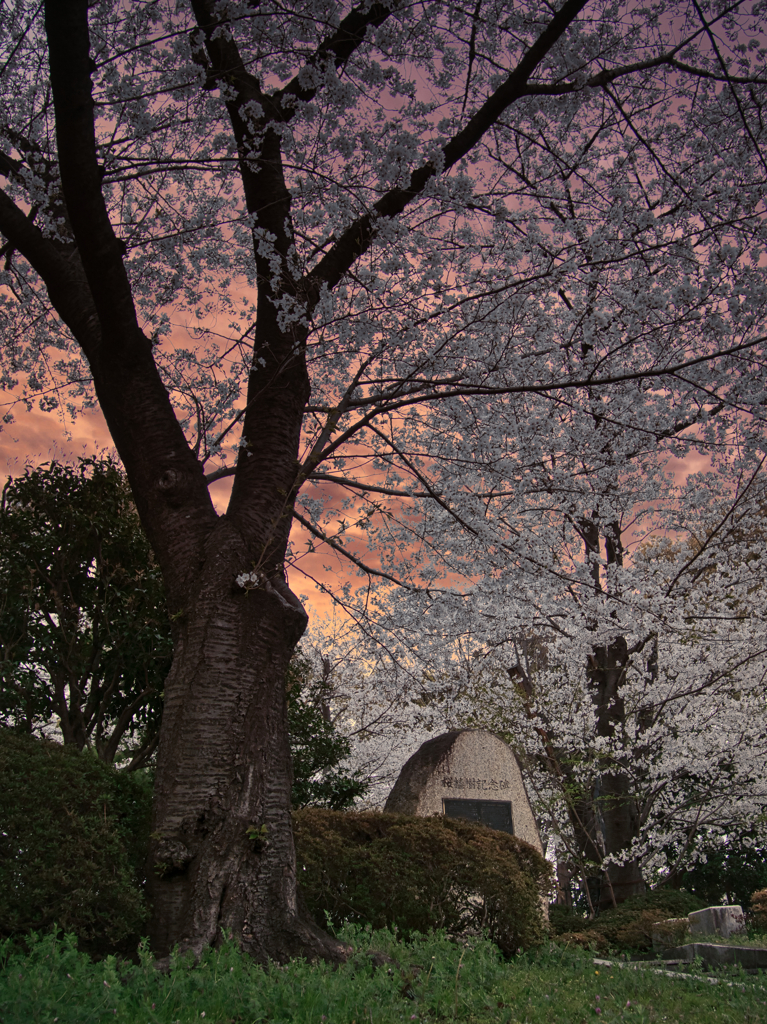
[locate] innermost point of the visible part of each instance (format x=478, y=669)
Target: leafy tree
x=84, y=635
x=319, y=750
x=364, y=215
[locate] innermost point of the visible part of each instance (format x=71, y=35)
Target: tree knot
x=171, y=856
x=170, y=479
x=173, y=485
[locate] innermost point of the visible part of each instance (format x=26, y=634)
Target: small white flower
x=249, y=580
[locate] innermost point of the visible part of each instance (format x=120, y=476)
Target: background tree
x=729, y=868
x=84, y=633
x=424, y=205
x=320, y=751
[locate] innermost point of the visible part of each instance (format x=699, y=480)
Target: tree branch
x=163, y=472
x=101, y=252
x=340, y=46
x=367, y=569
x=64, y=276
x=358, y=238
x=361, y=486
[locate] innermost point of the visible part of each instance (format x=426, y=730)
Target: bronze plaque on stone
x=493, y=813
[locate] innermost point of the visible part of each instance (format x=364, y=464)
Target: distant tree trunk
x=584, y=825
x=565, y=877
x=615, y=807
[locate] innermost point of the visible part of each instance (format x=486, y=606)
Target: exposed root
x=298, y=937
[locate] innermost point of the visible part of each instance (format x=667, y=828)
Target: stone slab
x=724, y=921
x=751, y=958
x=469, y=773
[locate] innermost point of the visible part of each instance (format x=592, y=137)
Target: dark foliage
x=418, y=874
x=565, y=919
x=730, y=873
x=73, y=839
x=84, y=633
x=317, y=748
x=758, y=907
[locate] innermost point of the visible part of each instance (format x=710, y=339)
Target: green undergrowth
x=430, y=979
x=627, y=927
x=751, y=938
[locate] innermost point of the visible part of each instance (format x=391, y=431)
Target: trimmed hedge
x=418, y=874
x=73, y=835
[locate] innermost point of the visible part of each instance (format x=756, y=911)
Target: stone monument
x=468, y=773
x=724, y=921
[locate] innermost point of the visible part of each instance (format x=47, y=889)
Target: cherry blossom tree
x=618, y=642
x=333, y=251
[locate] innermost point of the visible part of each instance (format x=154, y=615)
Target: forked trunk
x=222, y=859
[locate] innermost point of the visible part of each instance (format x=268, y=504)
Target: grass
x=750, y=938
x=433, y=981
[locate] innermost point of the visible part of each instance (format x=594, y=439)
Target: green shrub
x=630, y=925
x=565, y=919
x=73, y=836
x=758, y=906
x=418, y=874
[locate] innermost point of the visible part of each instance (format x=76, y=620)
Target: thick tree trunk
x=222, y=857
x=222, y=854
